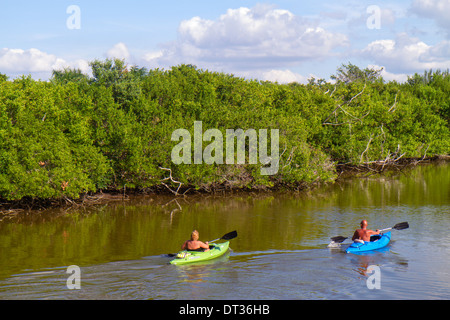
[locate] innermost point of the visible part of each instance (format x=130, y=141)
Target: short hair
x=194, y=235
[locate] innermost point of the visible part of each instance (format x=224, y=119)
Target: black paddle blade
x=401, y=226
x=230, y=235
x=338, y=239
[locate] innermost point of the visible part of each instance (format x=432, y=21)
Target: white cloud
x=359, y=15
x=119, y=51
x=258, y=38
x=406, y=54
x=388, y=17
x=275, y=75
x=35, y=62
x=31, y=60
x=151, y=58
x=283, y=76
x=438, y=10
x=389, y=76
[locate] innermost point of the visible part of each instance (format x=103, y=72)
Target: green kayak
x=215, y=250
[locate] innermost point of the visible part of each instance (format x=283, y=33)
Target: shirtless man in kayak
x=194, y=244
x=364, y=234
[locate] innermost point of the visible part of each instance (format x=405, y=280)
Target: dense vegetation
x=78, y=134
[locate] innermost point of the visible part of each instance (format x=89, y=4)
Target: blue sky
x=269, y=40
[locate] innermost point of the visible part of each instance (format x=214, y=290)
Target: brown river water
x=281, y=250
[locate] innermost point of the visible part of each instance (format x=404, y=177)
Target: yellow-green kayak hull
x=216, y=250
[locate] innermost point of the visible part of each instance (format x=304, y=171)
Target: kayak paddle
x=227, y=236
x=398, y=226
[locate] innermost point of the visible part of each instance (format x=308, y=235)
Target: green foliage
x=351, y=73
x=69, y=75
x=46, y=146
x=77, y=134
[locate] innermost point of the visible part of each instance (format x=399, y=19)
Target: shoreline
x=101, y=197
x=382, y=166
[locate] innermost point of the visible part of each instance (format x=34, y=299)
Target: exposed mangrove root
x=396, y=164
x=175, y=192
x=393, y=163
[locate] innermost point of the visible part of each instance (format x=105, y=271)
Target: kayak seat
x=375, y=237
x=201, y=249
x=197, y=250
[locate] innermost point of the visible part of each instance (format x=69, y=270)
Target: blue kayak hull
x=357, y=247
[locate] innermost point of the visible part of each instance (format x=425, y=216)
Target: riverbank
x=386, y=166
x=343, y=171
x=186, y=131
x=121, y=248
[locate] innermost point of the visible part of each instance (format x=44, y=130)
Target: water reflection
x=280, y=251
x=201, y=271
x=386, y=260
x=364, y=260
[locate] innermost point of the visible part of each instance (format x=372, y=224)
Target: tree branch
x=340, y=107
x=171, y=179
x=367, y=148
x=395, y=103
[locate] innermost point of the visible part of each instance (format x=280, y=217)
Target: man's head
x=194, y=235
x=363, y=223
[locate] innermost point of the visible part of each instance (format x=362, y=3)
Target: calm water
x=281, y=251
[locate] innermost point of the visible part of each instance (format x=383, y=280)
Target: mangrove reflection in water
x=280, y=252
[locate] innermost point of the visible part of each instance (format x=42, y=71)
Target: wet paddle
x=227, y=236
x=398, y=226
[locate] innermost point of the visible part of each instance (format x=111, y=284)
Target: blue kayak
x=376, y=242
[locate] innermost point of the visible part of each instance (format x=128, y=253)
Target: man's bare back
x=194, y=243
x=363, y=233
